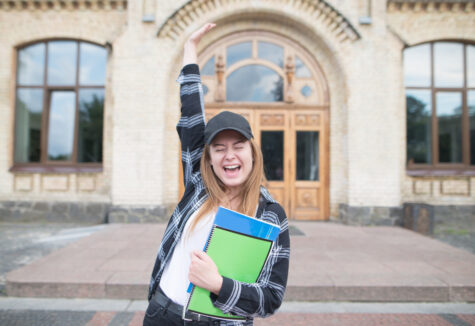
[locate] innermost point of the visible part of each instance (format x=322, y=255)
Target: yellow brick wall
x=367, y=106
x=20, y=26
x=419, y=24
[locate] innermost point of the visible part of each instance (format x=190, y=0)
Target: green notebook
x=237, y=255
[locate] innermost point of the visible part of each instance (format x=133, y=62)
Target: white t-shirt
x=174, y=281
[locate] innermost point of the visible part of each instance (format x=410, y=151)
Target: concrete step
x=329, y=262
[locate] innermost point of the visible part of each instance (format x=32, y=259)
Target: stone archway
x=314, y=36
x=318, y=11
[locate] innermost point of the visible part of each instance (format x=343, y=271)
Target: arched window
x=260, y=67
x=439, y=78
x=59, y=104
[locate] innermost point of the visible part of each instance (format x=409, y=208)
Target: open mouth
x=232, y=169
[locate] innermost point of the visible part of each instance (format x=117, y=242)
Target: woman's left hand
x=204, y=273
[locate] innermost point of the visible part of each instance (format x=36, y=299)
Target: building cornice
x=43, y=5
x=431, y=5
x=191, y=11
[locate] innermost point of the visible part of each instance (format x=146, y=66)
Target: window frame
x=45, y=165
x=437, y=168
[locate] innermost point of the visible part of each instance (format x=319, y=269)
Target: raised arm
x=191, y=125
x=189, y=54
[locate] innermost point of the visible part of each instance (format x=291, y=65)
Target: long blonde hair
x=215, y=188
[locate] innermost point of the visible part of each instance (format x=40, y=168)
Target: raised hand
x=189, y=55
x=197, y=35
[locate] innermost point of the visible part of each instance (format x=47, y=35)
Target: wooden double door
x=294, y=144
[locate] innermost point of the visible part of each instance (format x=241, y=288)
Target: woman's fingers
x=204, y=273
x=197, y=254
x=201, y=262
x=205, y=29
x=197, y=35
x=203, y=256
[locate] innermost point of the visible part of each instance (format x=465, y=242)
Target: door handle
x=289, y=186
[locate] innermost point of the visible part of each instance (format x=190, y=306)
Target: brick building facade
x=358, y=78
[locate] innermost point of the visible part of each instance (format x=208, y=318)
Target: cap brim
x=211, y=137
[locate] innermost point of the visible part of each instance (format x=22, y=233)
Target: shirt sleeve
x=264, y=297
x=191, y=125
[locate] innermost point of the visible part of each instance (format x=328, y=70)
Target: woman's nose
x=229, y=154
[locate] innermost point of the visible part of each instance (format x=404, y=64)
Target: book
x=239, y=245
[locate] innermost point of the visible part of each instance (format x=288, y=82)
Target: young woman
x=222, y=165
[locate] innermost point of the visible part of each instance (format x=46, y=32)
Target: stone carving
x=341, y=27
x=23, y=182
x=430, y=6
x=272, y=119
x=307, y=198
x=289, y=73
x=219, y=95
x=455, y=187
x=307, y=120
x=64, y=5
x=422, y=187
x=55, y=182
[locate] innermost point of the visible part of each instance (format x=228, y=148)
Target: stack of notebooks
x=239, y=246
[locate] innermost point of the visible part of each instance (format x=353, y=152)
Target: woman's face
x=231, y=158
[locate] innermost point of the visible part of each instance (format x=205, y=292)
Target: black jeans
x=156, y=315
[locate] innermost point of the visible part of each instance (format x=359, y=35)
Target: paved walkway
x=23, y=243
x=329, y=262
x=108, y=318
x=107, y=312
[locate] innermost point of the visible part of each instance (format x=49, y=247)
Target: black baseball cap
x=227, y=120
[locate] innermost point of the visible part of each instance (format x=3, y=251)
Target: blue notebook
x=234, y=221
x=239, y=245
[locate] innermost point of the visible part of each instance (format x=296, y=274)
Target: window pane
x=449, y=117
x=448, y=64
x=29, y=103
x=238, y=52
x=31, y=65
x=272, y=145
x=306, y=91
x=301, y=69
x=208, y=68
x=471, y=114
x=254, y=83
x=62, y=63
x=419, y=126
x=271, y=52
x=470, y=66
x=307, y=155
x=92, y=68
x=91, y=111
x=417, y=66
x=61, y=125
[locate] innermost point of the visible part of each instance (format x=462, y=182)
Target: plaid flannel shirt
x=250, y=300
